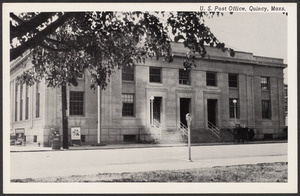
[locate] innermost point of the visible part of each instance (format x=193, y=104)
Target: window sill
x=212, y=87
x=128, y=81
x=234, y=88
x=184, y=85
x=76, y=116
x=128, y=117
x=155, y=84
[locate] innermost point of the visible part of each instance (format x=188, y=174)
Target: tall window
x=266, y=109
x=211, y=79
x=76, y=103
x=265, y=83
x=234, y=109
x=27, y=102
x=128, y=73
x=128, y=104
x=155, y=74
x=16, y=103
x=21, y=101
x=37, y=101
x=184, y=76
x=233, y=80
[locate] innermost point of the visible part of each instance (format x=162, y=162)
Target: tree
x=63, y=45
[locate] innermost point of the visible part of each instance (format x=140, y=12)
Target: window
x=234, y=109
x=233, y=80
x=211, y=79
x=37, y=101
x=128, y=73
x=21, y=101
x=16, y=103
x=155, y=74
x=266, y=109
x=76, y=103
x=184, y=76
x=264, y=83
x=26, y=102
x=128, y=104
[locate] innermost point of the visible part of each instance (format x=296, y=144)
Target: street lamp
x=151, y=109
x=234, y=110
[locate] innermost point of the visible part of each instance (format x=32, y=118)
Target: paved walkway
x=36, y=148
x=85, y=162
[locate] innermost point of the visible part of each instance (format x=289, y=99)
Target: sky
x=263, y=34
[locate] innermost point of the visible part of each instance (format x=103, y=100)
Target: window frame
x=125, y=111
x=208, y=80
x=27, y=102
x=265, y=85
x=81, y=110
x=230, y=81
x=21, y=101
x=266, y=115
x=128, y=73
x=155, y=75
x=16, y=102
x=182, y=79
x=37, y=100
x=231, y=108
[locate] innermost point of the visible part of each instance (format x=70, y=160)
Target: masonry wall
x=114, y=126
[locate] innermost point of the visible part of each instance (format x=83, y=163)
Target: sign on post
x=188, y=118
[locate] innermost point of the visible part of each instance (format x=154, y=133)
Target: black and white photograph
x=149, y=98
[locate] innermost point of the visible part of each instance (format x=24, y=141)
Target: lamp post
x=234, y=110
x=151, y=110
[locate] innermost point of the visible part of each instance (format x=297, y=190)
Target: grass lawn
x=263, y=172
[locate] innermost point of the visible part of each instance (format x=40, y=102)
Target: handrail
x=156, y=123
x=214, y=129
x=183, y=128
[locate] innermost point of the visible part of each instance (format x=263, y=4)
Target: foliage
x=102, y=42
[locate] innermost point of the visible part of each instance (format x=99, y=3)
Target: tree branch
x=30, y=25
x=40, y=36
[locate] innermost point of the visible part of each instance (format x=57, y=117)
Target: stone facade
x=204, y=102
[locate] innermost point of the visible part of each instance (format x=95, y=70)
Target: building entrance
x=184, y=109
x=157, y=108
x=212, y=111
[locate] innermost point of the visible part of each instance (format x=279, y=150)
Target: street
x=84, y=162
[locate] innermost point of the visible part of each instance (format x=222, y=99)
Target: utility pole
x=99, y=115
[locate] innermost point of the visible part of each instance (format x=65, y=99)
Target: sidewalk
x=36, y=148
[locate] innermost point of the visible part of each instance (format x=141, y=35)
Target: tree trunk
x=64, y=117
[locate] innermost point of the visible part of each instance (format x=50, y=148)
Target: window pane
x=76, y=103
x=211, y=79
x=184, y=77
x=233, y=80
x=128, y=73
x=234, y=108
x=266, y=109
x=155, y=75
x=127, y=104
x=264, y=83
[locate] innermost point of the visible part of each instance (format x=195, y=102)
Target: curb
x=146, y=146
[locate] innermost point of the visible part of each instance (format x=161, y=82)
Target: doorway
x=212, y=111
x=157, y=109
x=184, y=109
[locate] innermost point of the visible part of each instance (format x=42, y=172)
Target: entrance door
x=212, y=111
x=184, y=109
x=157, y=108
